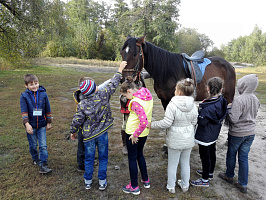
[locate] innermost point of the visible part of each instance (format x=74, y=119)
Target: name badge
x=37, y=112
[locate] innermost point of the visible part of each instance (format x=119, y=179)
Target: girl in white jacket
x=180, y=118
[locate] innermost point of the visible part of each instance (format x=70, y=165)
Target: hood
x=219, y=109
x=183, y=103
x=248, y=84
x=144, y=94
x=78, y=96
x=41, y=89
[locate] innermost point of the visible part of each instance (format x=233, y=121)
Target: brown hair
x=84, y=79
x=186, y=86
x=128, y=84
x=28, y=78
x=215, y=85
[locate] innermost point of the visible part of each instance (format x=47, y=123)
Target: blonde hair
x=128, y=84
x=186, y=86
x=84, y=79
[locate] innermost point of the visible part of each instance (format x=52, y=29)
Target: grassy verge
x=21, y=180
x=261, y=72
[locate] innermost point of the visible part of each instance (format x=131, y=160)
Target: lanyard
x=36, y=103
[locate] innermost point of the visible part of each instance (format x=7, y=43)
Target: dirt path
x=257, y=158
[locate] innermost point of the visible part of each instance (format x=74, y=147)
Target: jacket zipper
x=36, y=107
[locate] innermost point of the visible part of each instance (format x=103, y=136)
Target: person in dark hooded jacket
x=212, y=112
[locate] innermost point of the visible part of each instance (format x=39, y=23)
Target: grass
x=261, y=72
x=21, y=180
x=73, y=60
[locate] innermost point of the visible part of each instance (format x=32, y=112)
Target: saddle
x=195, y=65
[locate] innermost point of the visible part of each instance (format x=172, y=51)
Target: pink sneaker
x=146, y=184
x=130, y=189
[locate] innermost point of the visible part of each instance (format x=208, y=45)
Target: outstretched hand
x=133, y=139
x=122, y=66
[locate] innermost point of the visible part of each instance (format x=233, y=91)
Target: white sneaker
x=184, y=189
x=171, y=190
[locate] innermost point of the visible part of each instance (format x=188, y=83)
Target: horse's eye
x=127, y=49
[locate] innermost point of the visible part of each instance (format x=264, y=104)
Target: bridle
x=137, y=69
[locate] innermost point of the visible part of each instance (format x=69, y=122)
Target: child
x=36, y=114
x=180, y=118
x=124, y=102
x=140, y=108
x=95, y=115
x=242, y=116
x=78, y=96
x=212, y=112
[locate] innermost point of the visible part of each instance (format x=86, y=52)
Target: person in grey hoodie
x=180, y=120
x=242, y=115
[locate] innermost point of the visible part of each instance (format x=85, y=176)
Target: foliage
x=94, y=30
x=189, y=41
x=249, y=49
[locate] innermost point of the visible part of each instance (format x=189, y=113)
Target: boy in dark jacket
x=212, y=112
x=95, y=115
x=36, y=114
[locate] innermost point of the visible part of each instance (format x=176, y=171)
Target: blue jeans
x=90, y=148
x=135, y=153
x=38, y=136
x=240, y=145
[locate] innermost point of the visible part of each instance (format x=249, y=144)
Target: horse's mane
x=162, y=65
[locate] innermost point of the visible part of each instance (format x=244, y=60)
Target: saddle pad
x=203, y=65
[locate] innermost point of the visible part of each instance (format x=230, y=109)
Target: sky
x=223, y=20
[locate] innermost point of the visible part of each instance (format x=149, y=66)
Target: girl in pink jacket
x=140, y=108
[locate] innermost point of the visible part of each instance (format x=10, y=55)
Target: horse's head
x=132, y=52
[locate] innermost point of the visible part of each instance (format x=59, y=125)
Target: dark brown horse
x=167, y=69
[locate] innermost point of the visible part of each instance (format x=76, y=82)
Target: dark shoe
x=44, y=169
x=223, y=176
x=241, y=188
x=129, y=189
x=146, y=184
x=81, y=169
x=103, y=187
x=199, y=172
x=87, y=186
x=200, y=183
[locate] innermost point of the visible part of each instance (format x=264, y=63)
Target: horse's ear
x=128, y=37
x=141, y=40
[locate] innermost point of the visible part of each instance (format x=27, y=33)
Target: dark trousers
x=135, y=156
x=208, y=159
x=81, y=149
